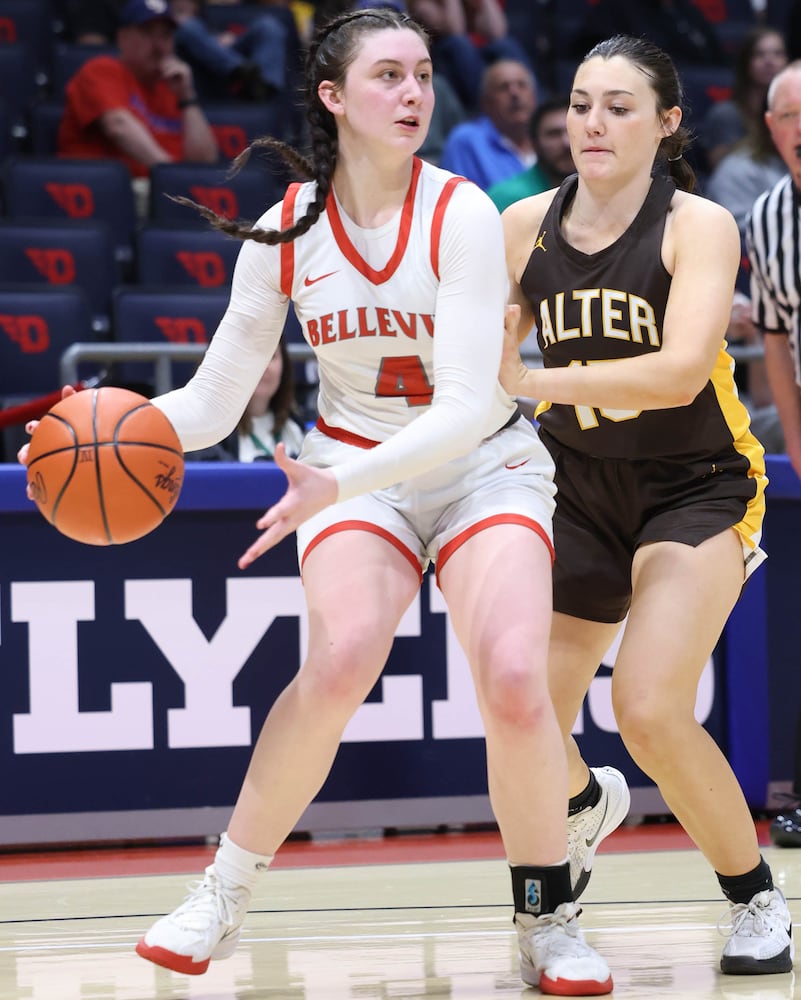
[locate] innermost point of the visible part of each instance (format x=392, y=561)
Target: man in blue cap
x=140, y=106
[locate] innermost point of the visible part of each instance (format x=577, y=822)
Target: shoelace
x=564, y=917
x=208, y=899
x=731, y=923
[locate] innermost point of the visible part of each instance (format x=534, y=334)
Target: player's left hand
x=512, y=368
x=30, y=427
x=309, y=490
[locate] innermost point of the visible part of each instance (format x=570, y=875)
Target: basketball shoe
x=785, y=830
x=760, y=935
x=587, y=828
x=205, y=926
x=555, y=957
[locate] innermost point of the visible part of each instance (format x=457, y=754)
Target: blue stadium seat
x=17, y=84
x=67, y=58
x=51, y=188
x=7, y=144
x=165, y=314
x=29, y=22
x=703, y=87
x=236, y=123
x=43, y=120
x=37, y=324
x=60, y=254
x=233, y=17
x=190, y=255
x=246, y=195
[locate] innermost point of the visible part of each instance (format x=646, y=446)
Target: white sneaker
x=555, y=957
x=587, y=829
x=205, y=926
x=760, y=936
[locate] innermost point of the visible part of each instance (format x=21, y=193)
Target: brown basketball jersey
x=592, y=308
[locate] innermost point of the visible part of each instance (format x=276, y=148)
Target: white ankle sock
x=239, y=867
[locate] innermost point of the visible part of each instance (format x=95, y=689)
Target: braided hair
x=661, y=72
x=331, y=52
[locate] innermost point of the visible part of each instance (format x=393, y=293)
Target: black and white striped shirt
x=773, y=240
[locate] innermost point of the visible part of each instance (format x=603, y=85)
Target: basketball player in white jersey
x=396, y=271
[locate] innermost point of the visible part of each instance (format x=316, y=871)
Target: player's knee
x=643, y=722
x=513, y=695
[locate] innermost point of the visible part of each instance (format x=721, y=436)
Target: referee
x=773, y=239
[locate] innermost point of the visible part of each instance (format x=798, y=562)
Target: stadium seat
x=189, y=255
x=43, y=120
x=61, y=254
x=29, y=22
x=67, y=58
x=246, y=195
x=164, y=314
x=231, y=17
x=703, y=87
x=730, y=19
x=17, y=84
x=6, y=138
x=236, y=124
x=53, y=188
x=37, y=324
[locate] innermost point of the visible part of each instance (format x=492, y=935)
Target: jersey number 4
x=405, y=377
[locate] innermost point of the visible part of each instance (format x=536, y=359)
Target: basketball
x=105, y=466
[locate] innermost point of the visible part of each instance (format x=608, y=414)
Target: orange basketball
x=105, y=466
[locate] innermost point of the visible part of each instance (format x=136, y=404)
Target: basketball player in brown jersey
x=660, y=484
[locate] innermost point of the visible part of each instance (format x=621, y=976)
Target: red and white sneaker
x=205, y=926
x=555, y=957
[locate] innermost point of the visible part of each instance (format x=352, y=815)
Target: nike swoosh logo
x=313, y=281
x=589, y=841
x=519, y=464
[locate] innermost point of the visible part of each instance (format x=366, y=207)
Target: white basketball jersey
x=366, y=302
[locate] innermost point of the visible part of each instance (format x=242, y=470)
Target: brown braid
x=333, y=49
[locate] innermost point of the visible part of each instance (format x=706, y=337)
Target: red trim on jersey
x=526, y=522
x=348, y=437
x=439, y=215
x=350, y=251
x=373, y=529
x=288, y=249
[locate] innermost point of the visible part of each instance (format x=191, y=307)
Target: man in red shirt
x=139, y=107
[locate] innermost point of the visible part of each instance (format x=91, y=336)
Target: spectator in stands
x=548, y=130
x=141, y=106
x=498, y=144
x=262, y=60
x=752, y=166
x=678, y=27
x=270, y=417
x=760, y=56
x=467, y=35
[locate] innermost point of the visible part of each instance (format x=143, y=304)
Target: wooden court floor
x=381, y=919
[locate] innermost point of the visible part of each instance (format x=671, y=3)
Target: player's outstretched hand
x=30, y=427
x=512, y=368
x=308, y=491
